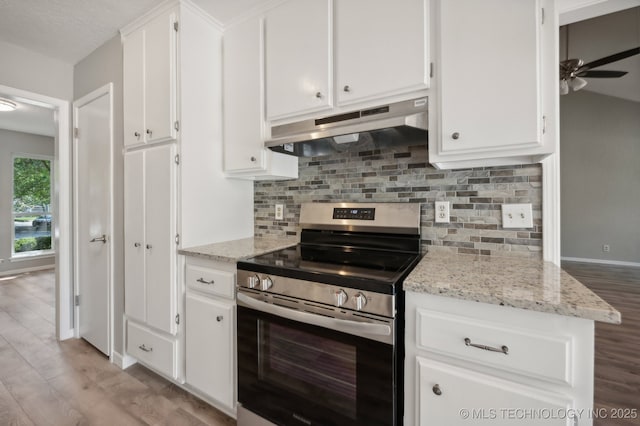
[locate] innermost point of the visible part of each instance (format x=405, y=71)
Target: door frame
x=62, y=230
x=107, y=89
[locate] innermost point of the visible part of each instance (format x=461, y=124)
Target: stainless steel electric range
x=320, y=324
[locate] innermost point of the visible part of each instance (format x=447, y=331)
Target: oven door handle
x=346, y=326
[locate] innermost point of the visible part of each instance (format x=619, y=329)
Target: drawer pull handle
x=203, y=281
x=144, y=348
x=436, y=389
x=503, y=349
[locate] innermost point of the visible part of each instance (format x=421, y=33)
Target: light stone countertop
x=232, y=251
x=520, y=283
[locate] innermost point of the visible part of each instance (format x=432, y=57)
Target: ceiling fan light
x=578, y=83
x=564, y=87
x=7, y=105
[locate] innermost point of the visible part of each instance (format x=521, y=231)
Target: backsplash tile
x=403, y=175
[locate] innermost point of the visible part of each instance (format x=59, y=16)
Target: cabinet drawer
x=529, y=352
x=219, y=283
x=151, y=348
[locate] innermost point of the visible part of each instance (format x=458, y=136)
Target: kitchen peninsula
x=528, y=345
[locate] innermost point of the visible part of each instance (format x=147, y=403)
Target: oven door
x=291, y=372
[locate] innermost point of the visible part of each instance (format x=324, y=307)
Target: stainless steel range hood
x=396, y=124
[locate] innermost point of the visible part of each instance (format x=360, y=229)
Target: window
x=32, y=217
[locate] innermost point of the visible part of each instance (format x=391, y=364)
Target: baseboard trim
x=604, y=262
x=23, y=270
x=122, y=361
x=67, y=334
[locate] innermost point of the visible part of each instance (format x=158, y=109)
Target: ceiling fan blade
x=601, y=74
x=609, y=59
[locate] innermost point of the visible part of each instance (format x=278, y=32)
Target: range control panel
x=359, y=213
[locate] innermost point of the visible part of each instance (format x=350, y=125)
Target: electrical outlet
x=517, y=215
x=442, y=212
x=606, y=248
x=279, y=211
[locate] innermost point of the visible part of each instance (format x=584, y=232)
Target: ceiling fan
x=574, y=71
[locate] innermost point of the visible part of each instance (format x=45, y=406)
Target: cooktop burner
x=366, y=269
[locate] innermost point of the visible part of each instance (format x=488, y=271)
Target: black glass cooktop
x=363, y=268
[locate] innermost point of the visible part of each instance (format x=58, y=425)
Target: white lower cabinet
x=469, y=363
x=152, y=348
x=450, y=395
x=210, y=331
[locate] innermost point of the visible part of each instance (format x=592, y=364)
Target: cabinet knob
x=319, y=95
x=136, y=244
x=346, y=88
x=137, y=135
x=219, y=318
x=253, y=159
x=436, y=389
x=455, y=135
x=149, y=246
x=149, y=132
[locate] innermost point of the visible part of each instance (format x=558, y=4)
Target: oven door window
x=294, y=373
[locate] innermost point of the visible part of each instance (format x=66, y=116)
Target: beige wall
x=102, y=66
x=17, y=143
x=31, y=71
x=600, y=176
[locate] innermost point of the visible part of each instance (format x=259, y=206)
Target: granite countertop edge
x=472, y=278
x=234, y=250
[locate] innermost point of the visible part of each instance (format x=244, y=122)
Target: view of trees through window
x=31, y=204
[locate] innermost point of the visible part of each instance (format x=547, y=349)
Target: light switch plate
x=442, y=212
x=517, y=215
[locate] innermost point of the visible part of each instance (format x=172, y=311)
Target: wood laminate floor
x=46, y=382
x=617, y=348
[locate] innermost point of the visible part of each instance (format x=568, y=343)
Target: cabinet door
x=160, y=232
x=489, y=74
x=210, y=348
x=133, y=88
x=160, y=78
x=242, y=95
x=446, y=391
x=298, y=58
x=381, y=48
x=134, y=251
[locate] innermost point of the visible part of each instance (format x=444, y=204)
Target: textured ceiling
x=66, y=29
x=71, y=29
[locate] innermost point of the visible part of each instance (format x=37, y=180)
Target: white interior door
x=93, y=192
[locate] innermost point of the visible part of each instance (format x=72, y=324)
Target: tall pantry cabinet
x=176, y=194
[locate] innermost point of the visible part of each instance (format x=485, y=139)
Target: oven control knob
x=359, y=300
x=339, y=296
x=253, y=281
x=266, y=284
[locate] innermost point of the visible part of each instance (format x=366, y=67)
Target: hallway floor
x=45, y=382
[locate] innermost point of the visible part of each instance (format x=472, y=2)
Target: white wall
x=27, y=70
x=600, y=177
x=102, y=66
x=17, y=143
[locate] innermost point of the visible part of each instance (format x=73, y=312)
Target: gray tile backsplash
x=403, y=175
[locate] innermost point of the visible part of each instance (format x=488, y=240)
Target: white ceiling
x=28, y=117
x=603, y=36
x=71, y=29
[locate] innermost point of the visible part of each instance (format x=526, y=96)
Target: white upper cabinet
x=352, y=51
x=381, y=48
x=492, y=78
x=244, y=152
x=298, y=58
x=150, y=82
